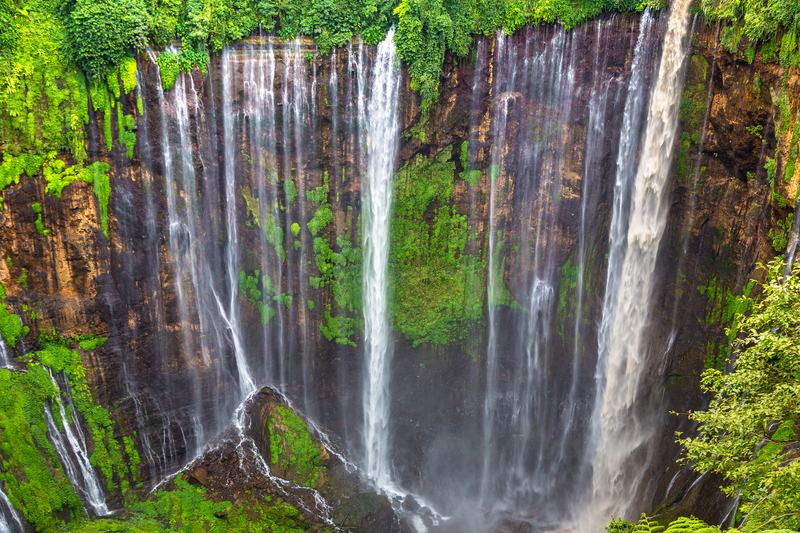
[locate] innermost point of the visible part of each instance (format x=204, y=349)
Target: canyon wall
x=233, y=254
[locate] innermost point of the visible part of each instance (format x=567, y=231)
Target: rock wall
x=726, y=210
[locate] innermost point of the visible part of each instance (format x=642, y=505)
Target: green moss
x=294, y=455
x=693, y=109
x=169, y=69
x=341, y=272
x=125, y=126
x=127, y=72
x=33, y=477
x=471, y=176
x=37, y=208
x=780, y=236
x=101, y=186
x=794, y=147
x=272, y=231
x=290, y=192
x=13, y=167
x=436, y=277
x=319, y=194
x=43, y=97
x=568, y=283
x=726, y=309
x=22, y=280
x=189, y=509
x=322, y=217
x=112, y=79
x=90, y=342
x=133, y=457
x=10, y=325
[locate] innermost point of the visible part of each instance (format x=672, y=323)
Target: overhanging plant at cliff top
x=749, y=433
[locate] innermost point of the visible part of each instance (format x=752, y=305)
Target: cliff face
x=233, y=253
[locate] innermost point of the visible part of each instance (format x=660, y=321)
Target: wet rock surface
x=231, y=471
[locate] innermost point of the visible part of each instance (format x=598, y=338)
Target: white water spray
x=10, y=521
x=381, y=129
x=77, y=464
x=617, y=431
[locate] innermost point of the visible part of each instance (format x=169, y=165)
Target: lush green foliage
x=32, y=473
x=10, y=325
x=171, y=64
x=747, y=432
x=188, y=509
x=43, y=97
x=436, y=284
x=680, y=525
x=102, y=31
x=294, y=453
x=759, y=21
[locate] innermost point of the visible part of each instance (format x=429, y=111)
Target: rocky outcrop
x=302, y=471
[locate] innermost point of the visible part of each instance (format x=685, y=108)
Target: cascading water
x=74, y=453
x=617, y=430
x=10, y=521
x=230, y=210
x=230, y=313
x=380, y=127
x=5, y=357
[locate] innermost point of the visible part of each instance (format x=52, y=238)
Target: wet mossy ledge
x=51, y=382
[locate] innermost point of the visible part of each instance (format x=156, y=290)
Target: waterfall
x=595, y=135
x=794, y=240
x=10, y=521
x=231, y=314
x=617, y=430
x=74, y=453
x=5, y=357
x=491, y=289
x=380, y=125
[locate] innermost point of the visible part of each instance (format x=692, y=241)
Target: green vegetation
x=100, y=32
x=32, y=473
x=780, y=237
x=171, y=64
x=10, y=325
x=774, y=24
x=37, y=208
x=469, y=174
x=725, y=310
x=269, y=225
x=294, y=453
x=569, y=281
x=748, y=432
x=693, y=108
x=436, y=285
x=429, y=28
x=189, y=509
x=341, y=271
x=322, y=217
x=290, y=192
x=33, y=476
x=43, y=96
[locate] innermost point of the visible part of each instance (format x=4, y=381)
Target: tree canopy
x=749, y=433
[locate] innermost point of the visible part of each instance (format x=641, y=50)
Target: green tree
x=749, y=433
x=101, y=32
